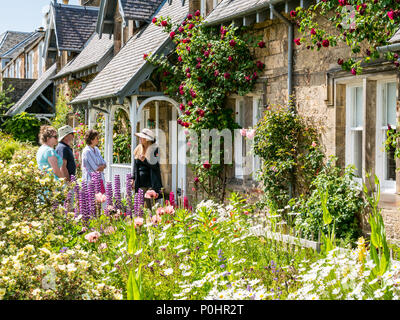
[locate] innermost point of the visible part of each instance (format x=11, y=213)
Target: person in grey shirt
x=92, y=159
x=64, y=150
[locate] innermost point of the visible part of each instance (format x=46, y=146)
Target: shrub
x=8, y=146
x=344, y=203
x=23, y=127
x=287, y=144
x=62, y=111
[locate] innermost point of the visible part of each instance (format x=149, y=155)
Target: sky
x=23, y=15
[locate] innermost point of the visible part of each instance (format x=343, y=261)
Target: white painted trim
x=349, y=156
x=238, y=141
x=256, y=117
x=387, y=186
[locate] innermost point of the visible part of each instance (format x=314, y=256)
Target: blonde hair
x=139, y=150
x=46, y=132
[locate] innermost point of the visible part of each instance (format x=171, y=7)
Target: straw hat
x=64, y=131
x=146, y=134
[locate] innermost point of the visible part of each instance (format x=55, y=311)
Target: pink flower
x=190, y=16
x=232, y=43
x=109, y=230
x=194, y=189
x=160, y=211
x=293, y=13
x=390, y=14
x=93, y=236
x=191, y=26
x=155, y=219
x=151, y=194
x=227, y=75
x=250, y=134
x=353, y=71
x=297, y=41
x=169, y=210
x=197, y=13
x=206, y=165
x=164, y=23
x=172, y=35
x=230, y=59
x=154, y=20
x=100, y=197
x=145, y=56
x=189, y=144
x=313, y=32
x=103, y=246
x=181, y=29
x=313, y=144
x=138, y=221
x=243, y=132
x=180, y=59
x=196, y=180
x=325, y=43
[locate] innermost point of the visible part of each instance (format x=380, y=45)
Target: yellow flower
x=2, y=293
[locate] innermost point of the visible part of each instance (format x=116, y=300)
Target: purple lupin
x=129, y=195
x=141, y=201
x=91, y=199
x=109, y=195
x=117, y=191
x=76, y=199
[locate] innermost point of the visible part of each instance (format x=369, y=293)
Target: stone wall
x=20, y=87
x=317, y=100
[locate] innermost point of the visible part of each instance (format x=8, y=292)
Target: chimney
x=90, y=3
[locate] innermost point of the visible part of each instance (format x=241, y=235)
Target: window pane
x=358, y=107
x=357, y=152
x=391, y=104
x=390, y=170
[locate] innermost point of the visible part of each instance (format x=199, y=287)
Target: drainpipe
x=290, y=54
x=290, y=76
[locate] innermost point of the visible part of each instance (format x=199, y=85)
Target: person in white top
x=92, y=159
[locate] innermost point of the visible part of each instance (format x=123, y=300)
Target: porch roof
x=96, y=54
x=127, y=70
x=33, y=92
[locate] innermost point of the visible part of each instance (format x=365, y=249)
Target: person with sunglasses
x=47, y=158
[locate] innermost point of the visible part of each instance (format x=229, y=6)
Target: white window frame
x=12, y=74
x=257, y=113
x=40, y=59
x=387, y=186
x=239, y=140
x=30, y=65
x=350, y=129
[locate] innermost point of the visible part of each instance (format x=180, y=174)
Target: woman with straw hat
x=147, y=173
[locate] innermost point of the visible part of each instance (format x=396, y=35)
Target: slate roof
x=129, y=61
x=74, y=25
x=96, y=53
x=33, y=92
x=10, y=39
x=20, y=47
x=139, y=9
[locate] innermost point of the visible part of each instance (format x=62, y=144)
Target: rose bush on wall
x=356, y=23
x=207, y=65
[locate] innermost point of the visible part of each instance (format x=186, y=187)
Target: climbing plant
x=208, y=65
x=357, y=24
